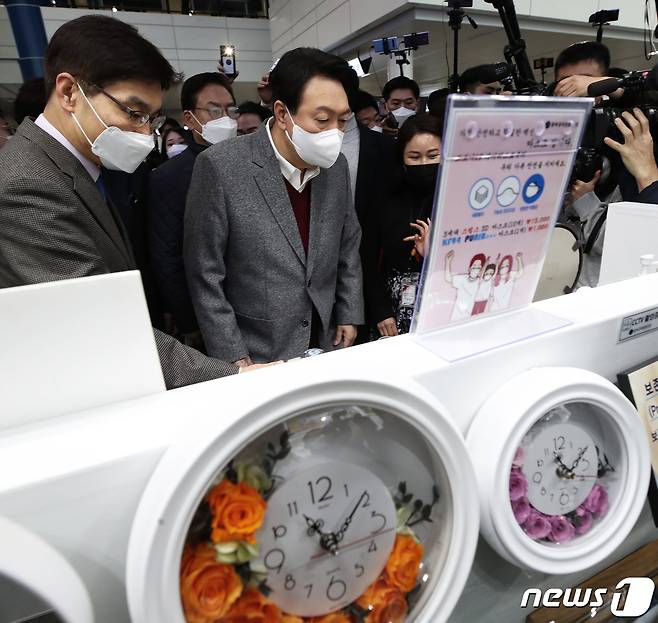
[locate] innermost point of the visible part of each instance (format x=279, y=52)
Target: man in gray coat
x=104, y=84
x=271, y=236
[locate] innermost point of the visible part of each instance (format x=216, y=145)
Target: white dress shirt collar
x=92, y=168
x=290, y=172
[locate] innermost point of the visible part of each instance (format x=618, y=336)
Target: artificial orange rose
x=334, y=617
x=404, y=563
x=253, y=607
x=208, y=588
x=238, y=512
x=385, y=603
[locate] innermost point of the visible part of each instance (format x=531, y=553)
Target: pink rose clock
x=562, y=469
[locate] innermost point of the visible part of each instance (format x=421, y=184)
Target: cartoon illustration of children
x=483, y=294
x=504, y=282
x=466, y=285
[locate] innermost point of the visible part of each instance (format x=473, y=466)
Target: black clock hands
x=578, y=458
x=346, y=524
x=328, y=540
x=562, y=470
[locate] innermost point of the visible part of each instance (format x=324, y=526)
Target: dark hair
x=584, y=51
x=252, y=108
x=101, y=50
x=471, y=77
x=30, y=100
x=360, y=100
x=195, y=84
x=616, y=72
x=421, y=123
x=296, y=67
x=436, y=102
x=400, y=82
x=165, y=135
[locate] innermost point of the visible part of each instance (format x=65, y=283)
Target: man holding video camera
x=576, y=68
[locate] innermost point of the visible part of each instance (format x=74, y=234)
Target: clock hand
x=562, y=470
x=578, y=458
x=346, y=524
x=328, y=540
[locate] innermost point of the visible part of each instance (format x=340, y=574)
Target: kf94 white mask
x=218, y=130
x=319, y=149
x=117, y=149
x=402, y=114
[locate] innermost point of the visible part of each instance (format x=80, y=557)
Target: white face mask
x=319, y=149
x=117, y=149
x=218, y=130
x=174, y=150
x=402, y=114
x=377, y=128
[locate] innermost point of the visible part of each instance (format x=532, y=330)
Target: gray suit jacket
x=252, y=286
x=54, y=224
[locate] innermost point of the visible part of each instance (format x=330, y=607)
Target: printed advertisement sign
x=506, y=164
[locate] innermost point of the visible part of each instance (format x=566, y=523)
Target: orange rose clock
x=313, y=510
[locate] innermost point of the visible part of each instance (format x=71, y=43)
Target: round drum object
x=562, y=266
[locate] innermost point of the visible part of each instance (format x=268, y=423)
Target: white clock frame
x=498, y=430
x=189, y=466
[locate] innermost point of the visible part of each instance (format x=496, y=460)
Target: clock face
x=328, y=534
x=562, y=465
x=563, y=477
x=342, y=511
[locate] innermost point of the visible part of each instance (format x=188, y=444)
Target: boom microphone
x=635, y=80
x=604, y=87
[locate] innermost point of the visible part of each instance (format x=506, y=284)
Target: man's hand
x=576, y=86
x=244, y=362
x=637, y=149
x=231, y=77
x=580, y=189
x=345, y=335
x=264, y=90
x=387, y=327
x=258, y=366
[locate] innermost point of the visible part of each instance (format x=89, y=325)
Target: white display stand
x=82, y=495
x=75, y=344
x=631, y=230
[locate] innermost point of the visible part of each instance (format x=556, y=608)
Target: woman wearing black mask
x=396, y=233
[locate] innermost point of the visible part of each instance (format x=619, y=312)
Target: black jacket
x=374, y=175
x=383, y=251
x=168, y=194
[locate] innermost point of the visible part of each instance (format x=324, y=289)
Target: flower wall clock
x=563, y=474
x=342, y=512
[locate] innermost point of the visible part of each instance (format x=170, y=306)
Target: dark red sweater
x=301, y=207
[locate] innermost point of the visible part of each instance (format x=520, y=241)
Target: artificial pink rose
x=537, y=526
x=518, y=485
x=521, y=510
x=583, y=520
x=597, y=501
x=519, y=457
x=562, y=530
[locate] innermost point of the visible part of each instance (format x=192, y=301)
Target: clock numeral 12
x=326, y=496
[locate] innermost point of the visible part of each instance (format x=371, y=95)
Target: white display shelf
x=77, y=480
